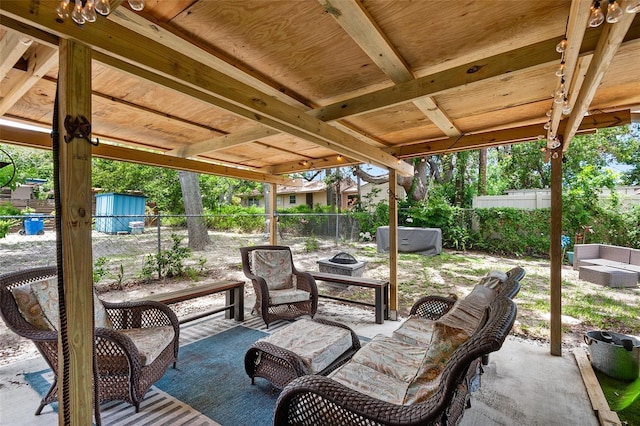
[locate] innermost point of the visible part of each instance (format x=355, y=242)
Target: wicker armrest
x=318, y=400
x=432, y=307
x=253, y=357
x=111, y=346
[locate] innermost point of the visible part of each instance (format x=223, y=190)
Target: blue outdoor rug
x=208, y=387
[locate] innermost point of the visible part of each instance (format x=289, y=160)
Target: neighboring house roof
x=305, y=187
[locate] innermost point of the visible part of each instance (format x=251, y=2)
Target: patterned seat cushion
x=274, y=266
x=415, y=331
x=150, y=342
x=46, y=293
x=400, y=373
x=318, y=345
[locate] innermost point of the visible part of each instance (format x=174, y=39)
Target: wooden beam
x=75, y=371
x=512, y=63
x=221, y=142
x=393, y=246
x=30, y=138
x=610, y=40
x=576, y=28
x=506, y=136
x=555, y=253
x=114, y=40
x=41, y=59
x=273, y=219
x=12, y=47
x=356, y=21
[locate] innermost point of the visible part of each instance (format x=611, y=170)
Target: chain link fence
x=127, y=247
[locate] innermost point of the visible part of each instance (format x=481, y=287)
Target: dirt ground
x=449, y=273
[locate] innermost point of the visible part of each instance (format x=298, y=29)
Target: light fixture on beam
x=614, y=11
x=86, y=10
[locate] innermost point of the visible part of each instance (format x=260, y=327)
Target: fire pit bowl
x=342, y=264
x=614, y=354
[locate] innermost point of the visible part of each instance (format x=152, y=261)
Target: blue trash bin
x=34, y=225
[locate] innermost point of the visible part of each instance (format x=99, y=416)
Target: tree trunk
x=482, y=172
x=196, y=226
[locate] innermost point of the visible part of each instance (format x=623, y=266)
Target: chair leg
x=39, y=410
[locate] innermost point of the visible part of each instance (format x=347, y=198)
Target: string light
x=85, y=10
x=597, y=17
x=614, y=12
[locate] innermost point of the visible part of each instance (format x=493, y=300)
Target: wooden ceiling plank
x=176, y=41
x=610, y=40
x=12, y=47
x=512, y=63
x=576, y=28
x=112, y=39
x=222, y=142
x=41, y=59
x=210, y=98
x=152, y=29
x=33, y=139
x=356, y=21
x=527, y=133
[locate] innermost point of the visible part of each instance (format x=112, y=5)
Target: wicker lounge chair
x=318, y=400
x=125, y=371
x=282, y=292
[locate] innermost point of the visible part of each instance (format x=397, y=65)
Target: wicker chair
x=124, y=373
x=282, y=292
x=318, y=400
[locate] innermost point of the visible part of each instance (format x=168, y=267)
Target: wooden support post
x=555, y=252
x=75, y=195
x=273, y=219
x=393, y=245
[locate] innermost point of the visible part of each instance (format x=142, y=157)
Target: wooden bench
x=234, y=299
x=381, y=287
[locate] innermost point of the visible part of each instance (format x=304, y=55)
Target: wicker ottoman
x=305, y=347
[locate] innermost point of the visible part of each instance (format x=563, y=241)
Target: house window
x=292, y=199
x=253, y=201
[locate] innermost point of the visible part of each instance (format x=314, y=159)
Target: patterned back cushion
x=30, y=308
x=46, y=293
x=274, y=266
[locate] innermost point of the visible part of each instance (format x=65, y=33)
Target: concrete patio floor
x=522, y=385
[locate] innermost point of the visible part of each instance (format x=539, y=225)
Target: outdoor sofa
x=608, y=265
x=421, y=375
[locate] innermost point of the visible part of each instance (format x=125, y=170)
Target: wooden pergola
x=259, y=89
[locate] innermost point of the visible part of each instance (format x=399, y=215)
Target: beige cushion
x=46, y=293
x=30, y=308
x=481, y=295
x=274, y=266
x=465, y=315
x=291, y=295
x=318, y=345
x=150, y=342
x=415, y=331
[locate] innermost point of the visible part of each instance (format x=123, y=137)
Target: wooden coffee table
x=305, y=347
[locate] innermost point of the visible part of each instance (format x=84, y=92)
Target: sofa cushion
x=617, y=254
x=465, y=314
x=46, y=293
x=30, y=308
x=370, y=382
x=416, y=330
x=274, y=266
x=392, y=357
x=289, y=295
x=317, y=344
x=483, y=295
x=150, y=342
x=397, y=372
x=445, y=341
